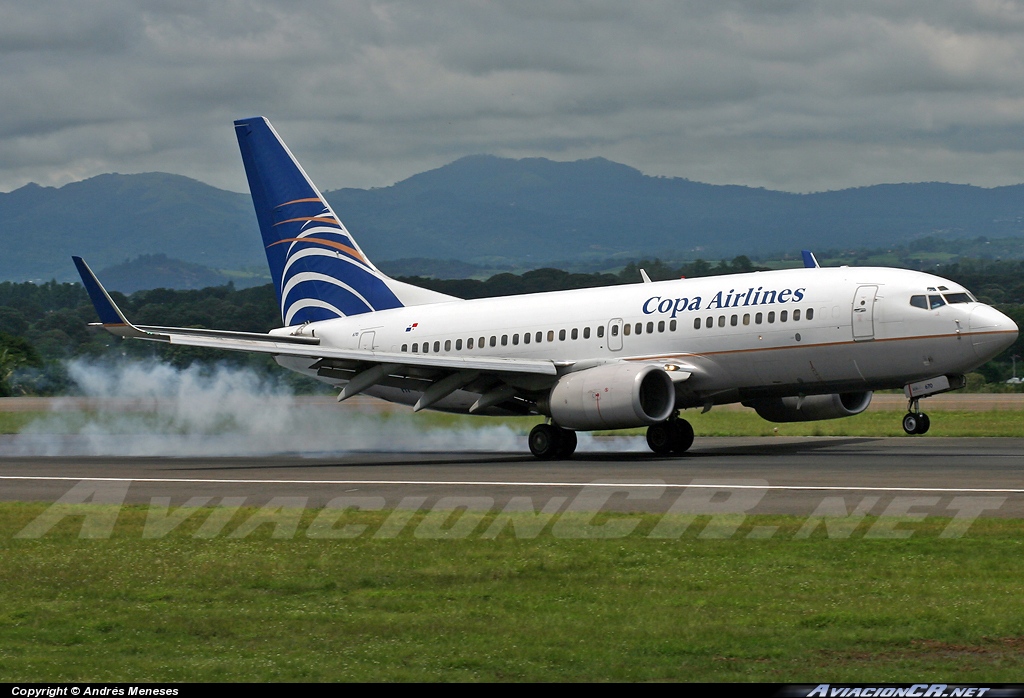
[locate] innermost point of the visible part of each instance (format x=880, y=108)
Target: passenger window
x=615, y=330
x=561, y=335
x=650, y=327
x=721, y=321
x=661, y=326
x=575, y=333
x=771, y=317
x=586, y=332
x=734, y=320
x=504, y=340
x=515, y=340
x=405, y=347
x=551, y=335
x=458, y=345
x=526, y=337
x=539, y=338
x=746, y=318
x=709, y=322
x=437, y=347
x=696, y=323
x=672, y=325
x=810, y=313
x=626, y=329
x=783, y=316
x=919, y=302
x=936, y=302
x=494, y=341
x=447, y=345
x=469, y=343
x=416, y=348
x=796, y=315
x=639, y=328
x=481, y=343
x=758, y=318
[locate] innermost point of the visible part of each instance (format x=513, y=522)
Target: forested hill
x=526, y=213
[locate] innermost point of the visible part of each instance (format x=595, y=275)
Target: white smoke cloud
x=154, y=409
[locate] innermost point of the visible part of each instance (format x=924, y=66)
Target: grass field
x=256, y=609
x=718, y=422
x=180, y=608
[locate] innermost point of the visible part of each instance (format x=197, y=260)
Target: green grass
x=718, y=422
x=180, y=608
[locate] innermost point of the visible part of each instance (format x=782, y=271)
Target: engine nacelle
x=811, y=407
x=612, y=396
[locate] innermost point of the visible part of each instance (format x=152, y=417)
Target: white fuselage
x=800, y=331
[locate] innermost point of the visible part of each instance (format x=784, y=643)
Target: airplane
x=795, y=345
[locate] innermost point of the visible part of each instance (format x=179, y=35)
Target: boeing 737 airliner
x=795, y=345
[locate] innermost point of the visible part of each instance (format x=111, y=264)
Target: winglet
x=111, y=316
x=809, y=261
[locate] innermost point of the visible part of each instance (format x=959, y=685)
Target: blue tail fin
x=318, y=269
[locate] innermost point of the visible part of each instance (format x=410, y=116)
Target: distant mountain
x=159, y=271
x=489, y=212
x=112, y=218
x=537, y=210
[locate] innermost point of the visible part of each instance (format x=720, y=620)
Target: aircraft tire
x=923, y=423
x=567, y=445
x=910, y=423
x=682, y=436
x=660, y=438
x=545, y=441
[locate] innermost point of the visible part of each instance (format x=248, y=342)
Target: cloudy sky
x=800, y=95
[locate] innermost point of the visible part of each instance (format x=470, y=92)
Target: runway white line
x=486, y=483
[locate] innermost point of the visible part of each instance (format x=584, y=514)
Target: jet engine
x=811, y=407
x=611, y=396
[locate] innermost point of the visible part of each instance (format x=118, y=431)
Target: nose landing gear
x=915, y=421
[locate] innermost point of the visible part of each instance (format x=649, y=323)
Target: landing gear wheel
x=682, y=436
x=916, y=423
x=545, y=440
x=567, y=445
x=659, y=438
x=673, y=436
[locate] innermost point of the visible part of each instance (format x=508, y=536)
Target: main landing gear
x=673, y=436
x=915, y=421
x=549, y=442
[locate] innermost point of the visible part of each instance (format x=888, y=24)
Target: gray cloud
x=796, y=95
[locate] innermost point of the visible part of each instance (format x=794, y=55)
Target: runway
x=801, y=476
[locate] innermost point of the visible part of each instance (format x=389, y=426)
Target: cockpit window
x=919, y=302
x=957, y=297
x=935, y=302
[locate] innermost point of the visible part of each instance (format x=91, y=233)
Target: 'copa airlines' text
x=732, y=299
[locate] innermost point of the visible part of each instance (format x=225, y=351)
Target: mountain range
x=484, y=210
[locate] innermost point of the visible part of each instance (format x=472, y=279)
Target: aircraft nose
x=991, y=331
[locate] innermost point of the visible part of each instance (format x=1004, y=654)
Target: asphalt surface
x=907, y=476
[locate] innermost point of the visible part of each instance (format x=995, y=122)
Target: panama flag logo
x=412, y=327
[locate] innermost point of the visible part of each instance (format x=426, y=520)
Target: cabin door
x=615, y=334
x=864, y=313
